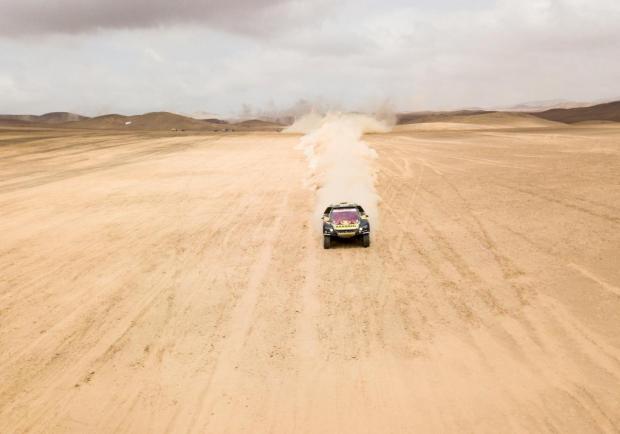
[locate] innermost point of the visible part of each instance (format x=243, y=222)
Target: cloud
x=93, y=57
x=10, y=90
x=153, y=55
x=23, y=17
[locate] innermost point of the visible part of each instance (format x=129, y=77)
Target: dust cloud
x=342, y=165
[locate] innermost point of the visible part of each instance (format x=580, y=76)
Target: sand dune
x=495, y=120
x=600, y=112
x=434, y=116
x=256, y=125
x=157, y=283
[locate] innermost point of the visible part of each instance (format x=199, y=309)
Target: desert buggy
x=345, y=220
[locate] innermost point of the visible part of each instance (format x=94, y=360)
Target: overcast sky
x=133, y=56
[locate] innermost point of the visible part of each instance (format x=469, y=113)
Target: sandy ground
x=178, y=284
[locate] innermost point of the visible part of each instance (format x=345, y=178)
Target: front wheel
x=327, y=241
x=366, y=240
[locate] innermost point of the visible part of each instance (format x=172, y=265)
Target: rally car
x=345, y=220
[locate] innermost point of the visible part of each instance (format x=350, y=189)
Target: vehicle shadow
x=346, y=243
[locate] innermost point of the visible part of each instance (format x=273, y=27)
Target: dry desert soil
x=152, y=282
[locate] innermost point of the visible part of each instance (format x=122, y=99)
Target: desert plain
x=160, y=281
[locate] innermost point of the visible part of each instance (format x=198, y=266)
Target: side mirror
x=325, y=218
x=365, y=216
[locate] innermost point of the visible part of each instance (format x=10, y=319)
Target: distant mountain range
x=601, y=112
x=47, y=118
x=534, y=106
x=539, y=106
x=147, y=121
x=609, y=111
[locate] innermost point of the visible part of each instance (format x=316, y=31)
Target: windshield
x=345, y=216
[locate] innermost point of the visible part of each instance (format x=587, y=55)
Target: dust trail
x=341, y=164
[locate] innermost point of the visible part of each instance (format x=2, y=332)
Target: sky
x=270, y=57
